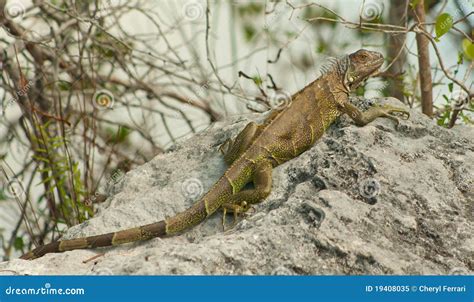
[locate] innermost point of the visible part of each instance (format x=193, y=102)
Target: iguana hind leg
x=241, y=202
x=363, y=118
x=232, y=149
x=236, y=209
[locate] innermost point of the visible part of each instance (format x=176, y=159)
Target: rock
x=378, y=199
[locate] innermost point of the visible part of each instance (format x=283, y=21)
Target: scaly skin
x=258, y=149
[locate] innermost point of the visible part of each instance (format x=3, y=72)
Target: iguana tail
x=184, y=220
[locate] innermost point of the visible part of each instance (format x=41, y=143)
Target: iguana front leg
x=232, y=149
x=362, y=118
x=241, y=201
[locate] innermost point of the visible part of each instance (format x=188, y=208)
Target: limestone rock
x=378, y=199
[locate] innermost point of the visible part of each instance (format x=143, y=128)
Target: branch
x=426, y=84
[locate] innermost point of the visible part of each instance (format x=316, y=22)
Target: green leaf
x=2, y=195
x=47, y=180
x=123, y=133
x=444, y=118
x=18, y=244
x=360, y=91
x=41, y=158
x=64, y=85
x=414, y=3
x=249, y=32
x=250, y=9
x=257, y=80
x=321, y=48
x=468, y=48
x=460, y=57
x=444, y=22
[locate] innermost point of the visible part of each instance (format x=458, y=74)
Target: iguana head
x=361, y=65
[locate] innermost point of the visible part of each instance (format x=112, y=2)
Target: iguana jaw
x=379, y=63
x=374, y=73
x=363, y=64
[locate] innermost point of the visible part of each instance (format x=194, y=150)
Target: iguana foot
x=374, y=112
x=236, y=209
x=224, y=148
x=392, y=112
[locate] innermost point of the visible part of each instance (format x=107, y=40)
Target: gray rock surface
x=370, y=200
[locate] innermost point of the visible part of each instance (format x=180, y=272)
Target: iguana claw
x=224, y=148
x=393, y=112
x=236, y=209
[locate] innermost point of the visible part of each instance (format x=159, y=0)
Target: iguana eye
x=350, y=79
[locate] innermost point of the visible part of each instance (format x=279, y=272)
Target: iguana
x=258, y=148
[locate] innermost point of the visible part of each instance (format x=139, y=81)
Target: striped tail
x=178, y=223
x=157, y=229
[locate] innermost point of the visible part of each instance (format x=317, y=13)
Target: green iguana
x=257, y=149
